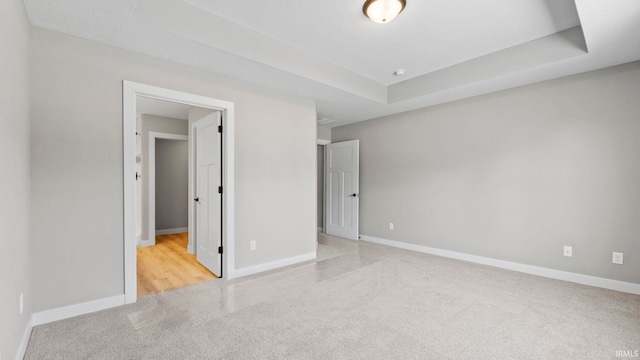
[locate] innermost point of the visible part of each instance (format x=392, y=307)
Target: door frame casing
x=151, y=201
x=130, y=91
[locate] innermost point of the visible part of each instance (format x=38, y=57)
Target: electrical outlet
x=568, y=251
x=21, y=303
x=252, y=245
x=617, y=258
x=390, y=226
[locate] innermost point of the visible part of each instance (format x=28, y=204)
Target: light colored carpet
x=358, y=301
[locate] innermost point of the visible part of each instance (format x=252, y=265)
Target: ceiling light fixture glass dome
x=383, y=11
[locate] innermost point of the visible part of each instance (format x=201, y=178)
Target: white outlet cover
x=568, y=251
x=252, y=245
x=617, y=258
x=390, y=226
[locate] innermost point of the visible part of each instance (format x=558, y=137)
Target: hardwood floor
x=168, y=265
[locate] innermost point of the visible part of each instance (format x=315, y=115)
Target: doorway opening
x=222, y=221
x=165, y=186
x=163, y=259
x=165, y=255
x=320, y=148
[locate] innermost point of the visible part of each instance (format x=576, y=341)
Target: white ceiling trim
x=549, y=49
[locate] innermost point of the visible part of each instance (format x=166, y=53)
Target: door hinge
x=220, y=128
x=220, y=250
x=219, y=189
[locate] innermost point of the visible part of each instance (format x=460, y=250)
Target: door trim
x=151, y=200
x=130, y=91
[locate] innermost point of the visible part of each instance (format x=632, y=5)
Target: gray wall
x=172, y=182
x=15, y=256
x=324, y=133
x=513, y=175
x=77, y=165
x=153, y=123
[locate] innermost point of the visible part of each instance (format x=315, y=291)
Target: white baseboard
x=172, y=231
x=25, y=339
x=152, y=242
x=70, y=311
x=149, y=242
x=250, y=270
x=523, y=268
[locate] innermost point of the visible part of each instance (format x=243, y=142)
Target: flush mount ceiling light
x=383, y=11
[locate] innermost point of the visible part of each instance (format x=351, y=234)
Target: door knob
x=354, y=195
x=197, y=200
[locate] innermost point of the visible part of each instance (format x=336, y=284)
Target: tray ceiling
x=330, y=52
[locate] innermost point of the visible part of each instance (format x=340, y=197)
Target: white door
x=341, y=189
x=208, y=200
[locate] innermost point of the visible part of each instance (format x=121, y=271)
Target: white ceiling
x=329, y=51
x=150, y=106
x=429, y=35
